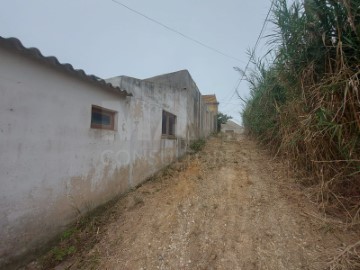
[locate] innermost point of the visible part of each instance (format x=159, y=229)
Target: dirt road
x=227, y=207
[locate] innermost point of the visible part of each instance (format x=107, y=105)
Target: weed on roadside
x=197, y=145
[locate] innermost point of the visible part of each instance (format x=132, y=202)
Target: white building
x=70, y=142
x=231, y=127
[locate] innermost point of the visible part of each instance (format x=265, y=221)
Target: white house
x=70, y=142
x=231, y=127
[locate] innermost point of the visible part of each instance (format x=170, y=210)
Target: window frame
x=103, y=111
x=167, y=133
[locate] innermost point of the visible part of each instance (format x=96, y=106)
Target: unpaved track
x=228, y=207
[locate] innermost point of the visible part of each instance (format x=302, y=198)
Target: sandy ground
x=228, y=207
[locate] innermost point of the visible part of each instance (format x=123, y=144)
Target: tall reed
x=305, y=103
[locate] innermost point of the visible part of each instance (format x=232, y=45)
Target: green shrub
x=197, y=145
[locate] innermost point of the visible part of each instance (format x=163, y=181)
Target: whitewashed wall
x=147, y=104
x=53, y=166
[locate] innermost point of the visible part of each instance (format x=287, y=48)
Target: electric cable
x=253, y=53
x=177, y=32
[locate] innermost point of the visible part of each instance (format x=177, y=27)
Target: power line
x=177, y=32
x=252, y=54
x=227, y=100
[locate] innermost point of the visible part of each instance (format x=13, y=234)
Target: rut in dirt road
x=227, y=207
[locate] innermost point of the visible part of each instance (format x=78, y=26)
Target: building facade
x=70, y=142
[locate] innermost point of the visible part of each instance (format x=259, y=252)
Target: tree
x=222, y=119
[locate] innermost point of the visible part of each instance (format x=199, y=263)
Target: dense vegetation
x=305, y=103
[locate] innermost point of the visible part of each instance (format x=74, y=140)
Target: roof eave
x=15, y=45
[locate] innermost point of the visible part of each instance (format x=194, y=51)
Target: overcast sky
x=107, y=40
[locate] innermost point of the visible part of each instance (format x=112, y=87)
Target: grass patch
x=80, y=237
x=197, y=145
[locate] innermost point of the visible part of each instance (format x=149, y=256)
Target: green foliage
x=68, y=233
x=197, y=145
x=305, y=103
x=60, y=254
x=260, y=114
x=222, y=119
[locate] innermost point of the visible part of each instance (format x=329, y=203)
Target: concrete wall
x=193, y=116
x=148, y=102
x=53, y=166
x=182, y=81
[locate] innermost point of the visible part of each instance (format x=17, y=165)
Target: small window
x=102, y=118
x=168, y=124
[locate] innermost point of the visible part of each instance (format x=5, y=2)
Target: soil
x=229, y=206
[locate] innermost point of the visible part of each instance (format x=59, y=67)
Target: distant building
x=231, y=127
x=71, y=141
x=212, y=103
x=212, y=108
